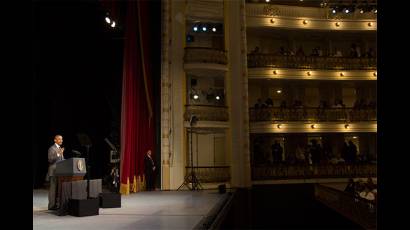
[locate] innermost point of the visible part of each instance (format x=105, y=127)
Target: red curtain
x=137, y=122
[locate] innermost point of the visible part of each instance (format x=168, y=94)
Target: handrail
x=312, y=114
x=309, y=62
x=358, y=209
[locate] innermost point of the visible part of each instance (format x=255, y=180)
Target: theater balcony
x=213, y=116
x=277, y=172
x=262, y=14
x=309, y=119
x=270, y=66
x=205, y=58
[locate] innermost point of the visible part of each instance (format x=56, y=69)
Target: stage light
x=278, y=91
x=217, y=98
x=279, y=126
x=313, y=126
x=369, y=24
x=113, y=24
x=342, y=74
x=305, y=22
x=375, y=74
x=361, y=11
x=267, y=0
x=108, y=20
x=337, y=24
x=275, y=72
x=272, y=21
x=214, y=29
x=195, y=28
x=375, y=11
x=196, y=97
x=334, y=11
x=346, y=126
x=347, y=11
x=355, y=137
x=204, y=28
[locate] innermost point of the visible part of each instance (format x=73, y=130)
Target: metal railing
x=311, y=114
x=205, y=55
x=206, y=112
x=357, y=209
x=286, y=171
x=211, y=174
x=310, y=62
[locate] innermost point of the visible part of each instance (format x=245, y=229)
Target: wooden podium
x=68, y=170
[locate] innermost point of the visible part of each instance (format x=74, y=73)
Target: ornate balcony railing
x=211, y=174
x=277, y=10
x=310, y=62
x=286, y=171
x=359, y=210
x=206, y=112
x=312, y=114
x=205, y=55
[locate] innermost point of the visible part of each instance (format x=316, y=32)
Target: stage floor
x=143, y=210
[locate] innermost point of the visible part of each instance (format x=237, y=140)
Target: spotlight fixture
x=217, y=98
x=214, y=29
x=196, y=97
x=342, y=74
x=308, y=73
x=278, y=91
x=369, y=24
x=300, y=0
x=275, y=72
x=375, y=11
x=204, y=28
x=272, y=21
x=337, y=24
x=305, y=22
x=279, y=126
x=113, y=24
x=313, y=126
x=346, y=126
x=355, y=137
x=107, y=20
x=361, y=11
x=195, y=28
x=267, y=0
x=347, y=10
x=375, y=74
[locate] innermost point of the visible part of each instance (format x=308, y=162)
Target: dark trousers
x=149, y=177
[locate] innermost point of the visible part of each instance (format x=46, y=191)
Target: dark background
x=77, y=79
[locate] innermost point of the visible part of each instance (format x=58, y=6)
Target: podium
x=68, y=170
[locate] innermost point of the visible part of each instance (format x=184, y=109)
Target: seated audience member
x=351, y=187
x=367, y=194
x=269, y=102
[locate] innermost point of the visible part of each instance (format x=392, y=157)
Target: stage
x=143, y=210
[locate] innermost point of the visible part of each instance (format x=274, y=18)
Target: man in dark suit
x=149, y=171
x=55, y=154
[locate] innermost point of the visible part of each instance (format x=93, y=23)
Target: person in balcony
x=319, y=51
x=370, y=184
x=269, y=102
x=282, y=51
x=277, y=151
x=259, y=104
x=316, y=151
x=370, y=53
x=337, y=53
x=351, y=153
x=353, y=51
x=300, y=52
x=337, y=159
x=256, y=50
x=351, y=187
x=300, y=155
x=315, y=52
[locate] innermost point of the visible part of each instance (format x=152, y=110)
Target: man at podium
x=55, y=154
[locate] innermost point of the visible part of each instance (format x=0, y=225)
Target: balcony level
x=307, y=18
x=207, y=116
x=204, y=58
x=271, y=66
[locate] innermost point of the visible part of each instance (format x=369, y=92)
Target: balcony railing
x=207, y=112
x=286, y=171
x=359, y=210
x=308, y=62
x=312, y=114
x=205, y=55
x=211, y=174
